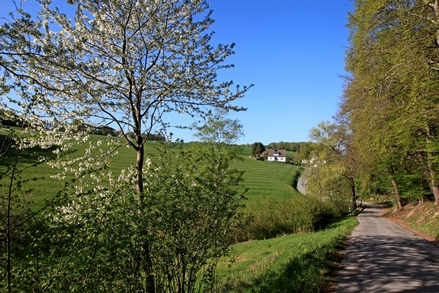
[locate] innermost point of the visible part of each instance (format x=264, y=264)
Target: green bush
x=297, y=215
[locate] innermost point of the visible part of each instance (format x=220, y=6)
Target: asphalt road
x=301, y=184
x=382, y=256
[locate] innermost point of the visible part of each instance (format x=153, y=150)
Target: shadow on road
x=377, y=262
x=381, y=256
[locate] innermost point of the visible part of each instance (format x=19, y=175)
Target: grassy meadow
x=265, y=180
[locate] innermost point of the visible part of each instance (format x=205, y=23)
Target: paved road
x=381, y=256
x=301, y=184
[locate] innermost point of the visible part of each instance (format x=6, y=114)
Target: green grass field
x=267, y=180
x=264, y=180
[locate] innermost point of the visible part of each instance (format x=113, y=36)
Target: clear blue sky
x=292, y=51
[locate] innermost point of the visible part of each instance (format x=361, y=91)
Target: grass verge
x=292, y=263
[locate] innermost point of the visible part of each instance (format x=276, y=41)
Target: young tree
x=218, y=129
x=335, y=157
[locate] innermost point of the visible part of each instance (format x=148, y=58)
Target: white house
x=274, y=155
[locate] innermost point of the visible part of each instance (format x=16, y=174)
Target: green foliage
x=333, y=168
x=289, y=146
x=194, y=212
x=218, y=129
x=277, y=217
x=31, y=252
x=9, y=118
x=96, y=238
x=257, y=149
x=391, y=93
x=304, y=152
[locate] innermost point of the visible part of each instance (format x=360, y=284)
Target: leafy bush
x=298, y=215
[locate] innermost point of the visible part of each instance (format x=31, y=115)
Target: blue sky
x=293, y=52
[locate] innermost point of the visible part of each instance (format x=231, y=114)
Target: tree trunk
x=433, y=182
x=353, y=193
x=435, y=189
x=435, y=7
x=139, y=172
x=145, y=258
x=397, y=194
x=8, y=223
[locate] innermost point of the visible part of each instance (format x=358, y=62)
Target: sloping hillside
x=423, y=219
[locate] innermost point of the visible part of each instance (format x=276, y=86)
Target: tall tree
x=392, y=94
x=131, y=63
x=127, y=64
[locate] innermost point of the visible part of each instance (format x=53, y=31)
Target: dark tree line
x=289, y=146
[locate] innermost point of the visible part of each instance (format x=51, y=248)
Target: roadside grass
x=425, y=218
x=292, y=263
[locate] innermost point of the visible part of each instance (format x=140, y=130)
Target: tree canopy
x=257, y=149
x=390, y=97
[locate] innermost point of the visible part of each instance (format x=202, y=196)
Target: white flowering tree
x=129, y=63
x=26, y=145
x=123, y=63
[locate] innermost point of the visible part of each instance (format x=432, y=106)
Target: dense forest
x=384, y=137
